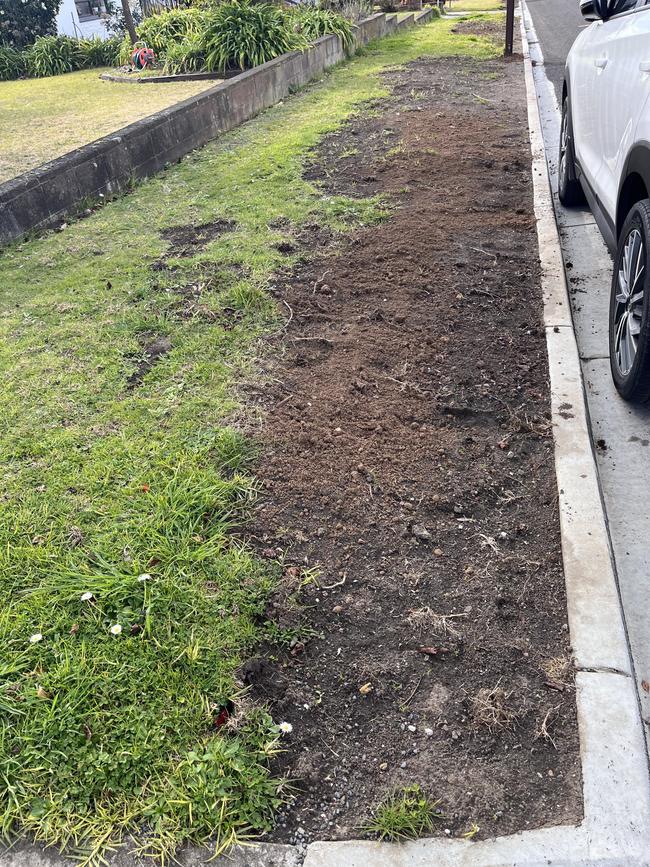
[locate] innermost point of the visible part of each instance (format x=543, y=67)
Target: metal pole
x=510, y=26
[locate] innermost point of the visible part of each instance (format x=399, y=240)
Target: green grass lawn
x=42, y=118
x=127, y=597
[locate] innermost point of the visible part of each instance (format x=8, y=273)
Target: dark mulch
x=407, y=452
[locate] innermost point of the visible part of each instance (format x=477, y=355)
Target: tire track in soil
x=407, y=451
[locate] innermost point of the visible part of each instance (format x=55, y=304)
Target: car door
x=584, y=110
x=599, y=97
x=624, y=92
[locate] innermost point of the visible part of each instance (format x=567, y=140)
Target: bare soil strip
x=407, y=451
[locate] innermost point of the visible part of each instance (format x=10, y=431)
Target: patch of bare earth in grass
x=407, y=453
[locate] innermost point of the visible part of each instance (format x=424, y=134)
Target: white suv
x=605, y=157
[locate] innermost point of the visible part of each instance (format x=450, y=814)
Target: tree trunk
x=128, y=20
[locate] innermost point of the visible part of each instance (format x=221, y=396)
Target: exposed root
x=542, y=730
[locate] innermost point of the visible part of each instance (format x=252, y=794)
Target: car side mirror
x=596, y=10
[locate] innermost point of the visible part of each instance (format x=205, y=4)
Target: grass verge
x=127, y=598
x=63, y=112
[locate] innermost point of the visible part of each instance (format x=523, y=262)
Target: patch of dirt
x=490, y=28
x=190, y=239
x=153, y=349
x=407, y=453
x=353, y=160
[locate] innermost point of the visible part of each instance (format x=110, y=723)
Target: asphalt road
x=620, y=431
x=557, y=23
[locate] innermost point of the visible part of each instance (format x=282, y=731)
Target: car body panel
x=608, y=80
x=623, y=98
x=581, y=73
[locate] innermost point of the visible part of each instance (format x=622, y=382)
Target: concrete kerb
x=616, y=786
x=597, y=632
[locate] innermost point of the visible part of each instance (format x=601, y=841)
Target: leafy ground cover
x=66, y=111
x=128, y=599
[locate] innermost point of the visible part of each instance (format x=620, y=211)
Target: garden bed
x=153, y=78
x=407, y=457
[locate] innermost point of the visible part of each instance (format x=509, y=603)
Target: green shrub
x=126, y=49
x=188, y=56
x=22, y=21
x=243, y=35
x=12, y=63
x=353, y=10
x=112, y=51
x=235, y=33
x=53, y=55
x=99, y=52
x=167, y=32
x=165, y=29
x=314, y=23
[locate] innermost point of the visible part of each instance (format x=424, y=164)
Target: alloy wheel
x=629, y=302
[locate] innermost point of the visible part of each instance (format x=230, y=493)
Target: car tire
x=568, y=186
x=629, y=307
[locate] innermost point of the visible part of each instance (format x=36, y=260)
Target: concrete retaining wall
x=44, y=196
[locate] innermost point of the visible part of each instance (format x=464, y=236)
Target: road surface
x=620, y=431
x=557, y=23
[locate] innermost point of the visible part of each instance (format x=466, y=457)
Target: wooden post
x=510, y=26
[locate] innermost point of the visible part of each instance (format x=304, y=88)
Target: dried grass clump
x=490, y=709
x=441, y=624
x=558, y=669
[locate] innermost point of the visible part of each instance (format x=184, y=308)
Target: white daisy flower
x=286, y=728
x=144, y=577
x=87, y=596
x=35, y=638
x=116, y=629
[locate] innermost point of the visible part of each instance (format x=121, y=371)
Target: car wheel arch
x=635, y=182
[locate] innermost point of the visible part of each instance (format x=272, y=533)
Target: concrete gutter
x=615, y=831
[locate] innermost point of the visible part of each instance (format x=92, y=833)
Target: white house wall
x=68, y=23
